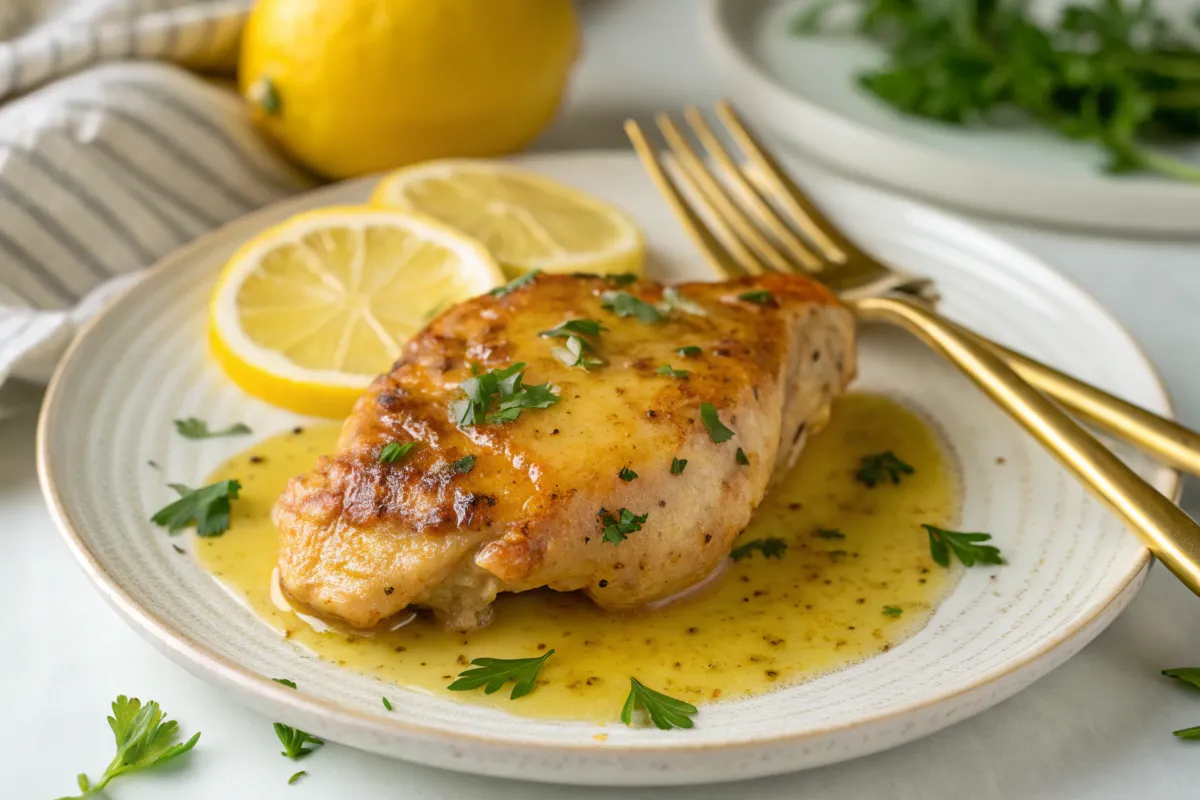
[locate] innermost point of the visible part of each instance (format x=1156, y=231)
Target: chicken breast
x=630, y=485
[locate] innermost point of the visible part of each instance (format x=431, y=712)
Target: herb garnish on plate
x=207, y=508
x=493, y=673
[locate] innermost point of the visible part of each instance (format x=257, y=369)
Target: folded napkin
x=112, y=154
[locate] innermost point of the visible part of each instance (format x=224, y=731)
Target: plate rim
x=879, y=159
x=190, y=653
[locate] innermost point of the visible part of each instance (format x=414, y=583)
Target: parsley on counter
x=295, y=741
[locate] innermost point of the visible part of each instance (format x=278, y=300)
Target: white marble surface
x=1099, y=727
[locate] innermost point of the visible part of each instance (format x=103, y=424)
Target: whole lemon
x=349, y=87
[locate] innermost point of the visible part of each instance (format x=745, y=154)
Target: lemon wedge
x=526, y=221
x=306, y=314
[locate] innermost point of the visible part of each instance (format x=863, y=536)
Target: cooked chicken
x=551, y=498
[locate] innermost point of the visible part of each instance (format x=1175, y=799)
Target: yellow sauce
x=763, y=624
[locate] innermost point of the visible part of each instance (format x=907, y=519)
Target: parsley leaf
x=394, y=451
x=666, y=369
x=690, y=351
x=942, y=543
x=623, y=304
x=716, y=431
x=741, y=457
x=761, y=297
x=575, y=327
x=678, y=465
x=296, y=776
x=288, y=682
x=1188, y=733
x=193, y=428
x=892, y=611
x=829, y=533
x=621, y=278
x=626, y=474
x=386, y=703
x=770, y=548
x=295, y=741
x=879, y=467
x=665, y=712
x=575, y=354
x=514, y=284
x=505, y=386
x=207, y=508
x=144, y=737
x=617, y=529
x=1186, y=674
x=493, y=673
x=464, y=464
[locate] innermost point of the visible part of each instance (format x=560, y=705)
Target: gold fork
x=730, y=212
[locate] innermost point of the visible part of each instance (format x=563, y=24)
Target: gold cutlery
x=731, y=209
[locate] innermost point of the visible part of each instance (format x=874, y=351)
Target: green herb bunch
x=1111, y=72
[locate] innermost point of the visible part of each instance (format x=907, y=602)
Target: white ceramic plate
x=1072, y=568
x=803, y=89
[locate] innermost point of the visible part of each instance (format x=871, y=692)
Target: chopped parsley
x=877, y=468
x=617, y=529
x=741, y=457
x=144, y=737
x=193, y=428
x=621, y=278
x=504, y=389
x=386, y=703
x=830, y=533
x=295, y=741
x=575, y=353
x=207, y=508
x=716, y=431
x=678, y=465
x=493, y=673
x=666, y=369
x=892, y=611
x=690, y=351
x=575, y=327
x=626, y=474
x=296, y=776
x=464, y=464
x=963, y=545
x=514, y=284
x=288, y=682
x=760, y=297
x=1190, y=675
x=770, y=548
x=623, y=304
x=673, y=299
x=394, y=451
x=664, y=711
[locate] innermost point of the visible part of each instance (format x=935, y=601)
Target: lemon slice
x=526, y=221
x=307, y=313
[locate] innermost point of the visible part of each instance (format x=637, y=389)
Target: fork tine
x=749, y=195
x=727, y=215
x=714, y=252
x=808, y=218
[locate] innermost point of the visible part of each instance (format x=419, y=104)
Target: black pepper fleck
x=297, y=430
x=389, y=590
x=179, y=549
x=603, y=583
x=257, y=459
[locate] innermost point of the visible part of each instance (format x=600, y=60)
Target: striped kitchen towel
x=112, y=154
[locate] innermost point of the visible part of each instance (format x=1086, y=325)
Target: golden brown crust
x=527, y=513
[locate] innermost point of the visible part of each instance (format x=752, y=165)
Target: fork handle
x=1167, y=441
x=1171, y=535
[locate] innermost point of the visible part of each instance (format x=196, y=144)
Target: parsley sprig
x=964, y=545
x=1189, y=675
x=207, y=508
x=194, y=428
x=665, y=711
x=502, y=388
x=144, y=737
x=514, y=284
x=880, y=467
x=618, y=528
x=579, y=348
x=493, y=673
x=296, y=743
x=770, y=548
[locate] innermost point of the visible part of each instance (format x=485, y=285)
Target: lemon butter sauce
x=855, y=579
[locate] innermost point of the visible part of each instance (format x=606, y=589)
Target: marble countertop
x=1098, y=727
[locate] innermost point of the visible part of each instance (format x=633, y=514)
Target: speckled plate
x=1071, y=568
